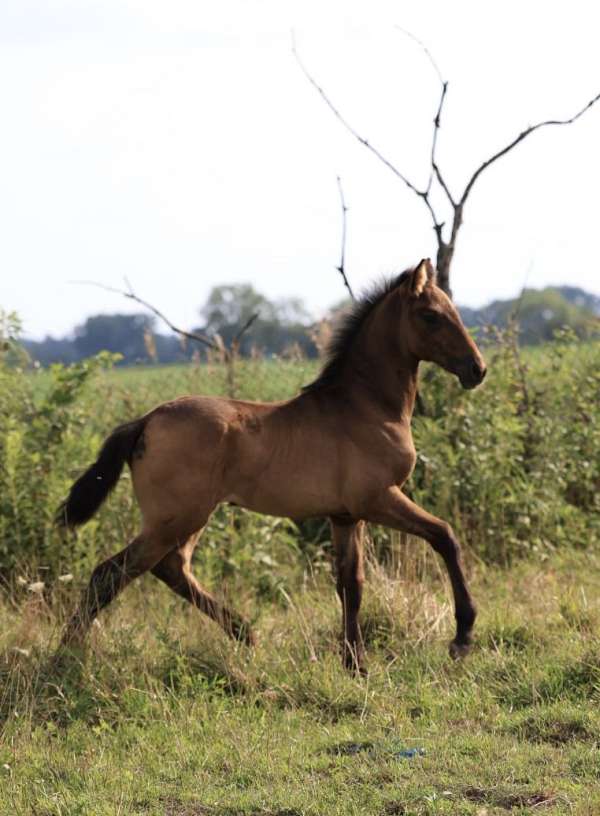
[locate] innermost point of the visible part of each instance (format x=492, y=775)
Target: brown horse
x=342, y=448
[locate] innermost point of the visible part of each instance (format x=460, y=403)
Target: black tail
x=91, y=489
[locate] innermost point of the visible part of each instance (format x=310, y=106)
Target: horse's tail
x=91, y=489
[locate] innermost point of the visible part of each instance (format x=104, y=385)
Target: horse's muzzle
x=470, y=371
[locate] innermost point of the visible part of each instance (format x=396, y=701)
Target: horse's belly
x=293, y=475
x=279, y=489
x=295, y=502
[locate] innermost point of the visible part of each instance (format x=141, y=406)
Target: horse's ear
x=423, y=275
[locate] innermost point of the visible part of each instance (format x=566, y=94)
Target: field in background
x=163, y=715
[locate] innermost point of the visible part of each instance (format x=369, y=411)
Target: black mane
x=347, y=331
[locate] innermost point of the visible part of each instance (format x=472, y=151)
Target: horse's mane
x=349, y=327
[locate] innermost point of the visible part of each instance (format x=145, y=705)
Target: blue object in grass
x=409, y=753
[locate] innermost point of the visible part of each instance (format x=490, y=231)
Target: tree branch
x=342, y=266
x=523, y=135
x=445, y=248
x=424, y=48
x=244, y=329
x=422, y=194
x=349, y=127
x=435, y=170
x=130, y=294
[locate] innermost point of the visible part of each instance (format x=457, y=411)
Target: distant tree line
x=539, y=313
x=286, y=326
x=280, y=325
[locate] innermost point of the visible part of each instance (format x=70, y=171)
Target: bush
x=513, y=466
x=40, y=431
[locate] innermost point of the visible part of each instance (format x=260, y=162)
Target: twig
x=244, y=329
x=435, y=170
x=517, y=308
x=342, y=266
x=199, y=338
x=424, y=48
x=349, y=127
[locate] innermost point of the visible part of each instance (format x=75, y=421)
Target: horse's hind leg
x=112, y=576
x=175, y=569
x=347, y=539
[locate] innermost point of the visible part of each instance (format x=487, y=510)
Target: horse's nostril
x=470, y=370
x=478, y=371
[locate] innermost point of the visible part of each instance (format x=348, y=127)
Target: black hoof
x=459, y=650
x=241, y=631
x=355, y=663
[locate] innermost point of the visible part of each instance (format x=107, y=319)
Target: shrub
x=513, y=466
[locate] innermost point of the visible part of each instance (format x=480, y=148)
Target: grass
x=163, y=715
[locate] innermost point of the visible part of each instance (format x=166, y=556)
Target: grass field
x=163, y=715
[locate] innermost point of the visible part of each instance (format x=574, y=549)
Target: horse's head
x=434, y=330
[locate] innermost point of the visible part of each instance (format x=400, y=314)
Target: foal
x=342, y=448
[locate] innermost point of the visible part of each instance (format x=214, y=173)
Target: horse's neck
x=382, y=372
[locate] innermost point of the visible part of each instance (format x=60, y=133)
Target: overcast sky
x=178, y=143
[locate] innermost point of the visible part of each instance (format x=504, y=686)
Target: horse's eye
x=430, y=317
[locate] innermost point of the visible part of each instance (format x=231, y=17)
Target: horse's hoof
x=459, y=650
x=66, y=658
x=355, y=665
x=242, y=632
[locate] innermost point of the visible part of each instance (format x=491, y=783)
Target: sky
x=179, y=145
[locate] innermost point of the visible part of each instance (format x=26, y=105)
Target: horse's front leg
x=347, y=539
x=394, y=509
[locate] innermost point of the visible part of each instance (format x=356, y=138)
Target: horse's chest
x=404, y=465
x=399, y=462
x=387, y=455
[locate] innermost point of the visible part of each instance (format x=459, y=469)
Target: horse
x=342, y=448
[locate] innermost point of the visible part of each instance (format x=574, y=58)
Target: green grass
x=163, y=715
x=145, y=385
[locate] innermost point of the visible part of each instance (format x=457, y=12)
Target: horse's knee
x=445, y=542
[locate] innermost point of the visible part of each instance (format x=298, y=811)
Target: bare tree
x=446, y=232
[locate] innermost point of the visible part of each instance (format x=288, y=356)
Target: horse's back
x=197, y=451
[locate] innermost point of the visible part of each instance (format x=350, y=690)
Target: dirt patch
x=395, y=809
x=509, y=799
x=349, y=748
x=174, y=807
x=557, y=732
